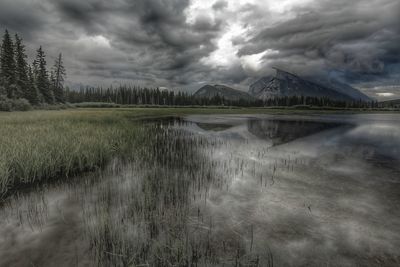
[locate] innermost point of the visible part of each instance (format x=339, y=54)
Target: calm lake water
x=224, y=191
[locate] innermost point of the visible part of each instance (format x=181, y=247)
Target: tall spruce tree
x=7, y=65
x=58, y=83
x=52, y=84
x=32, y=92
x=42, y=77
x=3, y=91
x=21, y=69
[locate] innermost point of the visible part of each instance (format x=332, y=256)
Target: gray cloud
x=355, y=38
x=152, y=38
x=160, y=43
x=220, y=5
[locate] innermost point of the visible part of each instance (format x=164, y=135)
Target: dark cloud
x=220, y=5
x=358, y=38
x=153, y=33
x=24, y=17
x=161, y=43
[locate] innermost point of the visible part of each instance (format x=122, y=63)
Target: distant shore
x=107, y=105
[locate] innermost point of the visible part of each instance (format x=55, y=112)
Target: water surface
x=224, y=191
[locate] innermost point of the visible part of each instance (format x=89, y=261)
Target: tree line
x=133, y=95
x=38, y=85
x=33, y=82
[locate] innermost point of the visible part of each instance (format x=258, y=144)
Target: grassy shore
x=40, y=145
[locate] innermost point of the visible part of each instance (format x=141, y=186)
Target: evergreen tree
x=7, y=65
x=21, y=69
x=52, y=82
x=58, y=83
x=32, y=93
x=42, y=77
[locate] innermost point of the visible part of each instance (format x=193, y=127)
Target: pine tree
x=59, y=75
x=7, y=65
x=32, y=92
x=52, y=84
x=21, y=69
x=42, y=77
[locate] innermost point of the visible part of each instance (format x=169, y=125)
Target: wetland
x=220, y=190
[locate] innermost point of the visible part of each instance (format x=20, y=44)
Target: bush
x=5, y=104
x=20, y=104
x=59, y=106
x=96, y=105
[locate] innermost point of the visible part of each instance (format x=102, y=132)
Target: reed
x=39, y=146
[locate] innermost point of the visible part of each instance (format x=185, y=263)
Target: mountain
x=343, y=88
x=288, y=84
x=209, y=91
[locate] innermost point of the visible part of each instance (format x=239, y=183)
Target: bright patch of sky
x=225, y=55
x=253, y=63
x=236, y=26
x=98, y=41
x=385, y=94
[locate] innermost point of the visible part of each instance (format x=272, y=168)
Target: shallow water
x=224, y=191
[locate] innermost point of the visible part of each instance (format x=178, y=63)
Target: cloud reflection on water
x=311, y=190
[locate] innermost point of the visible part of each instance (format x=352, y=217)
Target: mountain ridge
x=285, y=83
x=209, y=91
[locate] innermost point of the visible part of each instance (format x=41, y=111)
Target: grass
x=40, y=145
x=155, y=211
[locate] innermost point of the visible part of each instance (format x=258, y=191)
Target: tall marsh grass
x=41, y=145
x=44, y=145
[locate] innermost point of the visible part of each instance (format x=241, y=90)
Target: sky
x=184, y=44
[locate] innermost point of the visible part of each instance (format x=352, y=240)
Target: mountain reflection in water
x=223, y=191
x=284, y=131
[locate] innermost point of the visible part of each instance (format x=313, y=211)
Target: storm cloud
x=186, y=43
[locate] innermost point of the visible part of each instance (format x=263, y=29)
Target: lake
x=223, y=190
